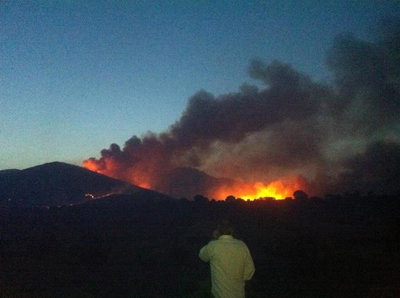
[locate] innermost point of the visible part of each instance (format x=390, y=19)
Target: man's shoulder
x=240, y=242
x=210, y=244
x=225, y=240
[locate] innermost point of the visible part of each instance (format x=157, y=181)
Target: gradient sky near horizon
x=76, y=76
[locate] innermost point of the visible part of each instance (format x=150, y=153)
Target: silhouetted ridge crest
x=57, y=183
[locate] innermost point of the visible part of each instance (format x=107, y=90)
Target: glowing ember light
x=144, y=185
x=89, y=196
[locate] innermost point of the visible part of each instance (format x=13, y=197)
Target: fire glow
x=278, y=189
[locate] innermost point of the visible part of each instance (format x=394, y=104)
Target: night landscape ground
x=146, y=244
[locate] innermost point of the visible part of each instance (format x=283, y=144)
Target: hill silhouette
x=188, y=182
x=56, y=183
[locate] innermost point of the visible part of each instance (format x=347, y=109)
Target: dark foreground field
x=147, y=247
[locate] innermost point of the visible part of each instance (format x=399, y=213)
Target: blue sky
x=76, y=76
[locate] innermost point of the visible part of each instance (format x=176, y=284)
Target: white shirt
x=231, y=265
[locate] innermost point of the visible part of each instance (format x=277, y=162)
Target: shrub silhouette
x=300, y=195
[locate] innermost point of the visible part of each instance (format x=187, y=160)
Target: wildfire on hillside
x=342, y=136
x=278, y=189
x=192, y=182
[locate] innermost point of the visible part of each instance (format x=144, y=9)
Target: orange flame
x=90, y=165
x=278, y=189
x=137, y=176
x=142, y=176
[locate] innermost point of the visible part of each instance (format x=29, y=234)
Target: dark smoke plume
x=375, y=170
x=330, y=134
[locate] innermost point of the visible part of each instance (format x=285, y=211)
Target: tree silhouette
x=300, y=195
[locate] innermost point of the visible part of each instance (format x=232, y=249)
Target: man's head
x=225, y=227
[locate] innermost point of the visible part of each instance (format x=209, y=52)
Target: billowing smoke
x=342, y=136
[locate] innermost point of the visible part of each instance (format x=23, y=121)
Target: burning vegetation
x=295, y=133
x=279, y=189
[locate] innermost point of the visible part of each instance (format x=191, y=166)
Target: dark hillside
x=188, y=182
x=55, y=184
x=8, y=172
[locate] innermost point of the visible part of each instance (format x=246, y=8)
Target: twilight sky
x=76, y=76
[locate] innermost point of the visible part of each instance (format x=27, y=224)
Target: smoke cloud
x=342, y=136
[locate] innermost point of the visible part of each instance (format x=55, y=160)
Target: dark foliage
x=143, y=245
x=300, y=195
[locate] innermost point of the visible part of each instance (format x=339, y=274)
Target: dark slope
x=55, y=183
x=8, y=172
x=188, y=182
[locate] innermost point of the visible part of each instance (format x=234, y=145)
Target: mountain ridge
x=56, y=183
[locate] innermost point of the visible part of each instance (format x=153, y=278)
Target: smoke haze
x=342, y=136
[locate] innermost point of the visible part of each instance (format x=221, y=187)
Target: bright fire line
x=278, y=189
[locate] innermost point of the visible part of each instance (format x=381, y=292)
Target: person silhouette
x=230, y=262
